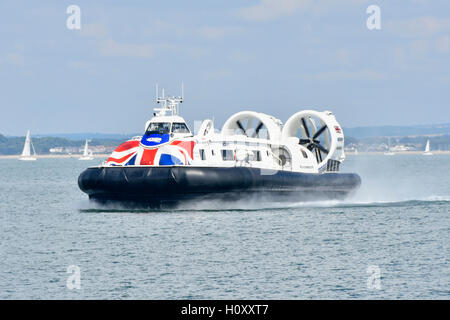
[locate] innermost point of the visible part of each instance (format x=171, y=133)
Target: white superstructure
x=309, y=141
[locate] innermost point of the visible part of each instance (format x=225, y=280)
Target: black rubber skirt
x=173, y=184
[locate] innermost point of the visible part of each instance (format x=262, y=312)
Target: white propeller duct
x=253, y=125
x=319, y=132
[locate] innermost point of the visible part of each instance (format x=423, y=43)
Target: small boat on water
x=254, y=154
x=26, y=153
x=87, y=154
x=389, y=152
x=427, y=151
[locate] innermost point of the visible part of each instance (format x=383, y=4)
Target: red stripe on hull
x=148, y=157
x=127, y=145
x=187, y=145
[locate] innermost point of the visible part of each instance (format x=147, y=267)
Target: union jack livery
x=133, y=153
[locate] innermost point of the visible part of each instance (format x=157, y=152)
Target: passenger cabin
x=174, y=126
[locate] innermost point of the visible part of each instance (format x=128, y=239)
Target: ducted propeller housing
x=320, y=133
x=253, y=125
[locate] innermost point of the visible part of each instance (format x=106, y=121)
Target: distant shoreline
x=105, y=156
x=57, y=156
x=396, y=152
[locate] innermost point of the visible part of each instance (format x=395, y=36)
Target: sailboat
x=356, y=152
x=26, y=153
x=87, y=154
x=389, y=152
x=427, y=149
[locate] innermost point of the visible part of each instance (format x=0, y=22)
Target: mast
x=170, y=104
x=32, y=145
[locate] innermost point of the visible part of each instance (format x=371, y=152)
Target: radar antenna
x=170, y=104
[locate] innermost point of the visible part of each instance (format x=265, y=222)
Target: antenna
x=169, y=104
x=182, y=92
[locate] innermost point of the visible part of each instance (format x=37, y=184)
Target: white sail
x=87, y=155
x=26, y=153
x=427, y=147
x=86, y=150
x=389, y=151
x=26, y=148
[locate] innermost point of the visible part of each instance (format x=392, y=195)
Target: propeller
x=246, y=131
x=241, y=127
x=260, y=125
x=313, y=143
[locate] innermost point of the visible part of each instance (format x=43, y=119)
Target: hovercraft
x=253, y=155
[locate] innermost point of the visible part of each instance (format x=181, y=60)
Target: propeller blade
x=306, y=127
x=319, y=132
x=304, y=141
x=260, y=125
x=318, y=146
x=241, y=127
x=317, y=152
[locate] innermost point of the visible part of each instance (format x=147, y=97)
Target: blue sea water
x=388, y=241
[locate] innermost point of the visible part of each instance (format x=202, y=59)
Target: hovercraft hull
x=170, y=185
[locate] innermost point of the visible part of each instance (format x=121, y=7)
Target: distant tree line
x=437, y=142
x=14, y=145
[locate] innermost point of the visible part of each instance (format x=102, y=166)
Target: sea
x=390, y=240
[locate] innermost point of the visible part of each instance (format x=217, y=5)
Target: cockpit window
x=158, y=128
x=179, y=127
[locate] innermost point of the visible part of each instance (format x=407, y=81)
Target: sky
x=271, y=56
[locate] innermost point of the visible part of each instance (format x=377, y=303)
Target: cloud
x=109, y=47
x=95, y=30
x=422, y=26
x=272, y=9
x=214, y=33
x=14, y=59
x=112, y=48
x=347, y=75
x=443, y=44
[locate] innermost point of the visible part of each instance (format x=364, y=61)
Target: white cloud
x=95, y=30
x=14, y=59
x=423, y=26
x=443, y=44
x=215, y=32
x=347, y=75
x=272, y=9
x=116, y=49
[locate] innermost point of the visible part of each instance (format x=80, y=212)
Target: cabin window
x=158, y=128
x=305, y=155
x=227, y=155
x=257, y=155
x=202, y=154
x=180, y=127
